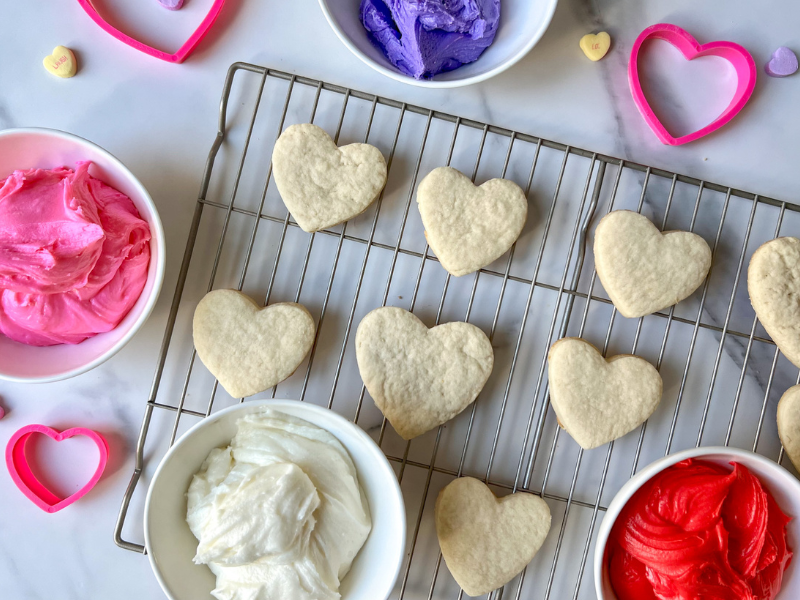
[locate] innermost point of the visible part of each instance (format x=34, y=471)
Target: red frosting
x=699, y=530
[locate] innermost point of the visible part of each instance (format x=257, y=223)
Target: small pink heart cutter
x=735, y=54
x=179, y=56
x=26, y=481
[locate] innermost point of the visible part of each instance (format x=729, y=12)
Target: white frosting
x=279, y=514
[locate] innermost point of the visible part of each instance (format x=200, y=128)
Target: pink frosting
x=74, y=254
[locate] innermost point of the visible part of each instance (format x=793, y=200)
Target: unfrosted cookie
x=248, y=348
x=420, y=377
x=469, y=226
x=323, y=185
x=773, y=280
x=644, y=270
x=789, y=424
x=486, y=541
x=598, y=400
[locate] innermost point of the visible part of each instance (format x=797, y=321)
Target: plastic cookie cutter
x=735, y=54
x=182, y=52
x=26, y=481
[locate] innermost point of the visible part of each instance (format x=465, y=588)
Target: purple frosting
x=426, y=37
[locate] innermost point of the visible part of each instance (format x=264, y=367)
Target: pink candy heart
x=26, y=481
x=171, y=4
x=177, y=57
x=735, y=54
x=782, y=64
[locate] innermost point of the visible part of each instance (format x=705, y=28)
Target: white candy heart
x=486, y=541
x=323, y=185
x=598, y=400
x=418, y=377
x=773, y=281
x=247, y=348
x=468, y=226
x=644, y=270
x=789, y=424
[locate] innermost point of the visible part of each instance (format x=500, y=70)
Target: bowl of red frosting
x=717, y=523
x=81, y=255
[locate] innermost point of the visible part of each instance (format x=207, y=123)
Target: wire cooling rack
x=722, y=374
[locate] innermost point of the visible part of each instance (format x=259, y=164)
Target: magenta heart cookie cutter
x=179, y=56
x=735, y=54
x=26, y=481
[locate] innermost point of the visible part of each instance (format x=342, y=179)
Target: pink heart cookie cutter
x=26, y=481
x=735, y=54
x=179, y=56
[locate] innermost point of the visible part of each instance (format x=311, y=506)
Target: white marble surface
x=159, y=119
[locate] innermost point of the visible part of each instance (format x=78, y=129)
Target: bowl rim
x=434, y=83
x=637, y=481
x=156, y=231
x=382, y=464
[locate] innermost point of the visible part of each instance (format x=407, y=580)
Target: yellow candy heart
x=595, y=46
x=61, y=62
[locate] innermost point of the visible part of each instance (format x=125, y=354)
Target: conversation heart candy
x=782, y=64
x=171, y=4
x=594, y=46
x=61, y=62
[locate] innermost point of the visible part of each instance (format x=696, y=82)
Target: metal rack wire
x=717, y=363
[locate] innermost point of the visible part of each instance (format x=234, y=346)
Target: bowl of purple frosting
x=439, y=43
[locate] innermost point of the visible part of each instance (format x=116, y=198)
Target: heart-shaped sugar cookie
x=789, y=424
x=323, y=185
x=773, y=281
x=61, y=62
x=420, y=377
x=469, y=226
x=598, y=400
x=248, y=348
x=644, y=270
x=486, y=541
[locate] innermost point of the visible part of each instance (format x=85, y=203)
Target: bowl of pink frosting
x=81, y=255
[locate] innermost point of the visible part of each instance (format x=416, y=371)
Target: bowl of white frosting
x=275, y=499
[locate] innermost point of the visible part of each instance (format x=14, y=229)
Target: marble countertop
x=160, y=119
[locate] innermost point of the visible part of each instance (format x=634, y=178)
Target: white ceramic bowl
x=171, y=545
x=49, y=148
x=522, y=25
x=780, y=483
